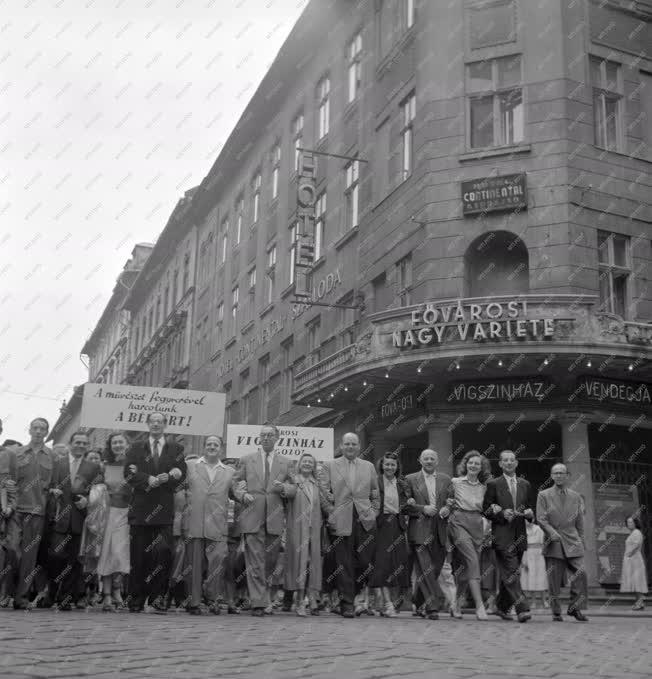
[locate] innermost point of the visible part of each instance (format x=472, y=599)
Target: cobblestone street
x=76, y=644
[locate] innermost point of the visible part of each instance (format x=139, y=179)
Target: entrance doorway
x=409, y=450
x=536, y=444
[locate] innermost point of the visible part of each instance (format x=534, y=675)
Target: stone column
x=575, y=453
x=440, y=438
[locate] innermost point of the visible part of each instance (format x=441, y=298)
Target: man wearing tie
x=560, y=512
x=351, y=485
x=153, y=468
x=508, y=504
x=210, y=484
x=71, y=493
x=266, y=475
x=427, y=530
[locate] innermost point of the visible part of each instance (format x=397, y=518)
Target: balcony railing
x=326, y=366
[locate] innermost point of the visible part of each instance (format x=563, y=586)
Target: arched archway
x=496, y=263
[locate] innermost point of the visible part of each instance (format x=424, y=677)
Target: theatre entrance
x=537, y=445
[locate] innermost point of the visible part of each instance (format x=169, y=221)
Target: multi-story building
x=488, y=197
x=106, y=349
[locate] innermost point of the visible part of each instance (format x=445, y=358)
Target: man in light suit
x=209, y=486
x=351, y=485
x=560, y=512
x=508, y=504
x=266, y=476
x=427, y=490
x=153, y=468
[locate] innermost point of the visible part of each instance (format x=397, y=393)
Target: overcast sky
x=109, y=111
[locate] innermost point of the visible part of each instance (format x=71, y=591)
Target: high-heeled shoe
x=301, y=610
x=638, y=606
x=481, y=613
x=455, y=613
x=390, y=611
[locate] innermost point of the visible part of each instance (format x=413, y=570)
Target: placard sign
x=508, y=192
x=620, y=392
x=242, y=439
x=125, y=406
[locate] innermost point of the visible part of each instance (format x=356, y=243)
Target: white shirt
x=510, y=480
x=74, y=465
x=269, y=456
x=391, y=502
x=431, y=485
x=211, y=469
x=161, y=443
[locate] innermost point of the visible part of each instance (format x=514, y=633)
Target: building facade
x=106, y=350
x=483, y=223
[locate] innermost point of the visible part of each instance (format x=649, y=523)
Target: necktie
x=155, y=454
x=512, y=489
x=352, y=473
x=266, y=469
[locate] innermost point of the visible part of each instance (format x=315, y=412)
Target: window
x=186, y=274
x=225, y=239
x=381, y=300
x=313, y=342
x=292, y=250
x=287, y=385
x=166, y=301
x=219, y=326
x=614, y=263
x=492, y=24
x=323, y=107
x=354, y=58
x=404, y=280
x=263, y=381
x=409, y=13
x=227, y=399
x=158, y=311
x=256, y=197
x=239, y=216
x=394, y=19
x=352, y=193
x=203, y=263
x=345, y=322
x=271, y=257
x=646, y=111
x=251, y=296
x=175, y=287
x=297, y=138
x=270, y=275
x=151, y=321
x=276, y=168
x=408, y=110
x=320, y=224
x=495, y=102
x=607, y=103
x=235, y=301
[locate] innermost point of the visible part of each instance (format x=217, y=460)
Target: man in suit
x=266, y=475
x=28, y=471
x=508, y=504
x=209, y=486
x=351, y=485
x=427, y=490
x=69, y=514
x=560, y=512
x=153, y=468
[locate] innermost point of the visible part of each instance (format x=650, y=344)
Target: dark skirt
x=391, y=565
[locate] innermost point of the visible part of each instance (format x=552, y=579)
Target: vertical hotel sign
x=305, y=238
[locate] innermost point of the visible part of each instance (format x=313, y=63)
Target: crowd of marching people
x=144, y=526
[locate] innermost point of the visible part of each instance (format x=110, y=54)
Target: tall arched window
x=496, y=263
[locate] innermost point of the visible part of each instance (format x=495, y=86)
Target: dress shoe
x=524, y=617
x=159, y=606
x=348, y=614
x=503, y=616
x=359, y=610
x=314, y=611
x=557, y=617
x=433, y=615
x=268, y=611
x=194, y=610
x=258, y=612
x=21, y=605
x=215, y=609
x=81, y=604
x=233, y=610
x=64, y=607
x=577, y=614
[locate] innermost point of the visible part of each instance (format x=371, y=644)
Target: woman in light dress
x=464, y=512
x=634, y=576
x=534, y=580
x=113, y=562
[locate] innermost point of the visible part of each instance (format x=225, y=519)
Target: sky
x=109, y=111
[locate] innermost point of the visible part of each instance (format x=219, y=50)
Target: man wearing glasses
x=267, y=478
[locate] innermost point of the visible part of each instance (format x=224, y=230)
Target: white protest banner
x=293, y=441
x=126, y=406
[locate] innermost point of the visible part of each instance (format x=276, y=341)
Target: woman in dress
x=391, y=559
x=634, y=576
x=464, y=513
x=114, y=556
x=303, y=562
x=533, y=566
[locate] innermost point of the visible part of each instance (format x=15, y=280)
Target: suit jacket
x=506, y=535
x=422, y=528
x=403, y=495
x=268, y=508
x=153, y=506
x=66, y=517
x=364, y=496
x=207, y=502
x=563, y=517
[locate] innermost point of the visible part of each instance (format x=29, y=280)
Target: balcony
x=423, y=341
